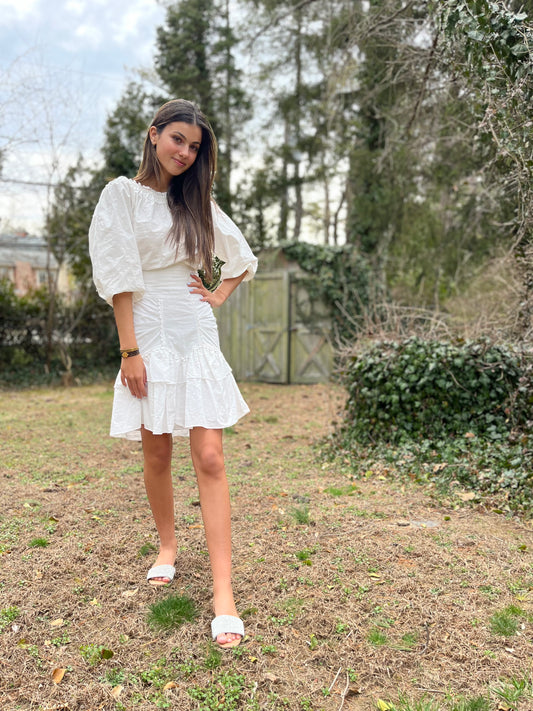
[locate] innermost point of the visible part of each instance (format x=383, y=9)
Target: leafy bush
x=430, y=389
x=450, y=413
x=83, y=331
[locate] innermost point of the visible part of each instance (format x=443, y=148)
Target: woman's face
x=176, y=147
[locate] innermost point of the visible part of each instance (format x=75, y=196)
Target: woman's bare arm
x=132, y=370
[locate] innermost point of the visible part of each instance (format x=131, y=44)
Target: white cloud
x=92, y=35
x=131, y=22
x=76, y=7
x=17, y=9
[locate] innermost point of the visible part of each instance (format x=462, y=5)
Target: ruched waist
x=174, y=277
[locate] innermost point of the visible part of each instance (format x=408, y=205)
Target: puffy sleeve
x=112, y=244
x=232, y=248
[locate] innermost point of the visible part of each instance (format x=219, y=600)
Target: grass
x=8, y=615
x=147, y=549
x=478, y=703
x=224, y=692
x=171, y=613
x=301, y=515
x=514, y=691
x=345, y=598
x=377, y=638
x=505, y=622
x=39, y=543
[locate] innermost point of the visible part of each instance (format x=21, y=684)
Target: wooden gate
x=271, y=331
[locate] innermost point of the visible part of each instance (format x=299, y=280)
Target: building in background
x=26, y=261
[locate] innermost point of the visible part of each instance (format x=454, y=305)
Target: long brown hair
x=188, y=194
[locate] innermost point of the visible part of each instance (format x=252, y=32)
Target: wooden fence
x=272, y=331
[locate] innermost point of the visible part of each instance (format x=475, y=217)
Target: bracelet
x=129, y=352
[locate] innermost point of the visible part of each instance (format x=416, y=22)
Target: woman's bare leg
x=157, y=451
x=208, y=461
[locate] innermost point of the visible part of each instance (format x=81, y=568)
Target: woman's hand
x=133, y=374
x=214, y=298
x=221, y=293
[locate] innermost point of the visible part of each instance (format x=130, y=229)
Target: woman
x=148, y=238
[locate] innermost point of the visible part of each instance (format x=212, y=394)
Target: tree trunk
x=298, y=206
x=284, y=198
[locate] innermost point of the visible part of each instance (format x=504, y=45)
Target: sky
x=63, y=66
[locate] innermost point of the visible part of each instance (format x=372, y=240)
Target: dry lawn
x=353, y=593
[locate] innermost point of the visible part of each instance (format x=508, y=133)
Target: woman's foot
x=227, y=631
x=162, y=572
x=224, y=606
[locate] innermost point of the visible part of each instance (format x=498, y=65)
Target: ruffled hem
x=196, y=391
x=164, y=365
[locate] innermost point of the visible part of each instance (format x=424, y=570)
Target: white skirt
x=190, y=384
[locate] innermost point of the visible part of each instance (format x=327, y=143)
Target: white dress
x=190, y=384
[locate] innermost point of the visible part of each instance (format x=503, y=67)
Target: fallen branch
x=344, y=693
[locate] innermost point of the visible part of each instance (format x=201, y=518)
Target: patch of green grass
x=61, y=641
x=187, y=668
x=147, y=549
x=341, y=627
x=291, y=607
x=505, y=622
x=408, y=641
x=491, y=592
x=304, y=556
x=405, y=704
x=478, y=703
x=213, y=657
x=514, y=690
x=270, y=419
x=115, y=677
x=269, y=649
x=223, y=692
x=377, y=638
x=171, y=613
x=301, y=515
x=8, y=615
x=158, y=674
x=39, y=543
x=341, y=491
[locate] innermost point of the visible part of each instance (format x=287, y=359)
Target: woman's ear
x=153, y=135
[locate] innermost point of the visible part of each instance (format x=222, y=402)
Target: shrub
x=451, y=413
x=430, y=389
x=83, y=330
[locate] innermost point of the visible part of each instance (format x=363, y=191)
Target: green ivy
x=338, y=276
x=430, y=389
x=450, y=413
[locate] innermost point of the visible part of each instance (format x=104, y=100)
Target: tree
x=195, y=60
x=125, y=131
x=490, y=48
x=298, y=71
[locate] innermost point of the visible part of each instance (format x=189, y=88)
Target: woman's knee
x=209, y=460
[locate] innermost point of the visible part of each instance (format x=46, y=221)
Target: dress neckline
x=147, y=187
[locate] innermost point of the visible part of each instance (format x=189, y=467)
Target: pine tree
x=195, y=61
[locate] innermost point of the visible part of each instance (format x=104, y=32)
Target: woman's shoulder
x=122, y=184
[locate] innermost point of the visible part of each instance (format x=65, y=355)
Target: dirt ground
x=354, y=593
